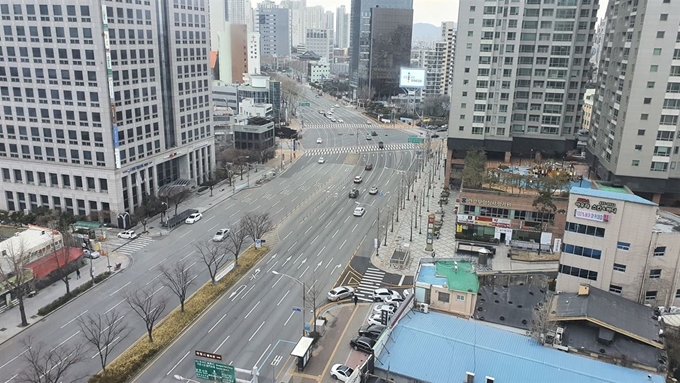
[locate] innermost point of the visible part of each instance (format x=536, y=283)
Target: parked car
x=336, y=106
x=359, y=211
x=341, y=372
x=372, y=331
x=319, y=140
x=373, y=190
x=389, y=308
x=381, y=294
x=354, y=193
x=91, y=254
x=321, y=160
x=358, y=179
x=377, y=318
x=193, y=218
x=368, y=122
x=362, y=343
x=221, y=235
x=434, y=136
x=368, y=167
x=127, y=234
x=340, y=292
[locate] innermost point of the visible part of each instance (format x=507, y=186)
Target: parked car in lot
x=340, y=292
x=354, y=193
x=358, y=179
x=382, y=294
x=127, y=234
x=368, y=137
x=341, y=372
x=372, y=331
x=340, y=120
x=359, y=211
x=377, y=318
x=389, y=308
x=221, y=235
x=373, y=190
x=368, y=167
x=363, y=344
x=193, y=218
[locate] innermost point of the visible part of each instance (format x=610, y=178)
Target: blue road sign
x=297, y=309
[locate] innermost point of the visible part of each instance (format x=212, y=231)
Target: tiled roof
x=439, y=348
x=610, y=195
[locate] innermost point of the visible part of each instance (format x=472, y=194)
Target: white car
x=341, y=372
x=221, y=235
x=193, y=218
x=358, y=179
x=127, y=234
x=333, y=119
x=368, y=122
x=377, y=318
x=340, y=120
x=340, y=292
x=373, y=190
x=319, y=140
x=359, y=211
x=91, y=254
x=321, y=160
x=389, y=308
x=337, y=106
x=383, y=294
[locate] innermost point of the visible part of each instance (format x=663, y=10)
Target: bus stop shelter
x=302, y=352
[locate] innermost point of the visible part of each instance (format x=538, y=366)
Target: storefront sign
x=584, y=203
x=473, y=201
x=484, y=221
x=591, y=215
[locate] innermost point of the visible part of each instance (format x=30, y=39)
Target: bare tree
x=178, y=279
x=104, y=332
x=44, y=365
x=141, y=215
x=149, y=307
x=14, y=273
x=541, y=325
x=234, y=241
x=62, y=253
x=214, y=256
x=174, y=194
x=257, y=225
x=314, y=297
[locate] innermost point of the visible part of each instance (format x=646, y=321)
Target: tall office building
x=236, y=11
x=273, y=24
x=519, y=76
x=634, y=128
x=320, y=41
x=391, y=32
x=102, y=103
x=341, y=27
x=360, y=42
x=448, y=36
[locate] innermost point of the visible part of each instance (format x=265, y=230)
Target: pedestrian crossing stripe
x=364, y=148
x=133, y=246
x=339, y=125
x=371, y=280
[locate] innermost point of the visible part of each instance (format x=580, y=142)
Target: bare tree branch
x=148, y=306
x=50, y=366
x=178, y=279
x=234, y=241
x=174, y=195
x=104, y=332
x=257, y=225
x=214, y=257
x=13, y=271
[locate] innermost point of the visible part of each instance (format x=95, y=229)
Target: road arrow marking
x=287, y=259
x=272, y=258
x=336, y=266
x=317, y=266
x=302, y=263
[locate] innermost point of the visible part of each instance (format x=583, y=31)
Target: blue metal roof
x=611, y=195
x=439, y=348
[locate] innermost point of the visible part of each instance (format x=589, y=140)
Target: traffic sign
x=297, y=309
x=304, y=103
x=217, y=372
x=209, y=355
x=415, y=140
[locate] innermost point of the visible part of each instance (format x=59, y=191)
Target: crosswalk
x=124, y=246
x=371, y=280
x=339, y=125
x=362, y=148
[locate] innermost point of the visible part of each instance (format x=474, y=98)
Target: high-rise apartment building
x=434, y=63
x=314, y=17
x=320, y=41
x=448, y=36
x=237, y=10
x=341, y=27
x=273, y=24
x=634, y=129
x=102, y=103
x=297, y=20
x=328, y=21
x=360, y=43
x=519, y=76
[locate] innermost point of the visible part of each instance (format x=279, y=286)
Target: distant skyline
x=424, y=11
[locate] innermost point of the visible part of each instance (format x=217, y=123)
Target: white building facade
x=320, y=41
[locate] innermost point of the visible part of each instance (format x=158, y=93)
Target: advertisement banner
x=116, y=153
x=591, y=215
x=116, y=142
x=412, y=78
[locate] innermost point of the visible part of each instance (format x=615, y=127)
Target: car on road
x=319, y=140
x=193, y=218
x=321, y=160
x=333, y=119
x=320, y=111
x=373, y=190
x=373, y=133
x=336, y=106
x=359, y=211
x=434, y=136
x=381, y=145
x=358, y=179
x=362, y=343
x=368, y=137
x=368, y=167
x=341, y=372
x=368, y=122
x=127, y=234
x=372, y=331
x=221, y=235
x=354, y=193
x=389, y=308
x=377, y=318
x=340, y=120
x=382, y=294
x=89, y=254
x=340, y=292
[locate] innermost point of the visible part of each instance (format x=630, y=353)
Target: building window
x=677, y=293
x=635, y=163
x=582, y=251
x=623, y=245
x=460, y=298
x=650, y=296
x=660, y=34
x=641, y=132
x=585, y=229
x=660, y=251
x=443, y=297
x=655, y=273
x=615, y=289
x=619, y=267
x=578, y=272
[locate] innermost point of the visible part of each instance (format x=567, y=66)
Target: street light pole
x=303, y=296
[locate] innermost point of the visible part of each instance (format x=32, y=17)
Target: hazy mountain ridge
x=426, y=32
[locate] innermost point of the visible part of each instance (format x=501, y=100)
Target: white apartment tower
x=448, y=36
x=434, y=60
x=520, y=72
x=103, y=102
x=341, y=27
x=634, y=129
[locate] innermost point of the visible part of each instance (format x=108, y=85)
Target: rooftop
x=34, y=236
x=445, y=273
x=620, y=194
x=509, y=304
x=666, y=223
x=439, y=348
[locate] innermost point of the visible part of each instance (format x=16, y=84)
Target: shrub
x=62, y=300
x=132, y=360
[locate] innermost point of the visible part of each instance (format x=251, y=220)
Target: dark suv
x=354, y=193
x=372, y=331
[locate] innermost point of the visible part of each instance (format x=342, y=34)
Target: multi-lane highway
x=254, y=324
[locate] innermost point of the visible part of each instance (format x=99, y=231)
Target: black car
x=368, y=167
x=362, y=343
x=374, y=134
x=354, y=193
x=372, y=331
x=434, y=136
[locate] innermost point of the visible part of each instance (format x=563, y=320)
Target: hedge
x=62, y=300
x=132, y=360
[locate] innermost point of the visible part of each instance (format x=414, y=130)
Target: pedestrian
x=77, y=273
x=356, y=300
x=432, y=253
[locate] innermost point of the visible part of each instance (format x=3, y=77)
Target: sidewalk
x=11, y=318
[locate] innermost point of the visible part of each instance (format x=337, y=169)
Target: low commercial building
x=256, y=136
x=251, y=109
x=34, y=242
x=447, y=285
x=619, y=242
x=317, y=71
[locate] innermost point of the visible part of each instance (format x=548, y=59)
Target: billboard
x=412, y=78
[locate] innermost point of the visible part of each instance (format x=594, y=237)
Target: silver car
x=340, y=292
x=220, y=235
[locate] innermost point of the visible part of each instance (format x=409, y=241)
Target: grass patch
x=132, y=360
x=62, y=300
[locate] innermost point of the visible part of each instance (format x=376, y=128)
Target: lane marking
x=307, y=231
x=12, y=360
x=159, y=262
x=343, y=244
x=274, y=265
x=122, y=287
x=277, y=281
x=244, y=295
x=216, y=323
x=303, y=273
x=69, y=322
x=177, y=364
x=328, y=224
x=66, y=340
x=186, y=233
x=221, y=344
x=280, y=210
x=290, y=316
x=321, y=251
x=284, y=238
x=329, y=262
x=261, y=356
x=291, y=246
x=284, y=297
x=314, y=240
x=107, y=311
x=355, y=227
x=258, y=329
x=187, y=256
x=336, y=233
x=251, y=310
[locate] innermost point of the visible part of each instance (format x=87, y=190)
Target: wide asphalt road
x=255, y=324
